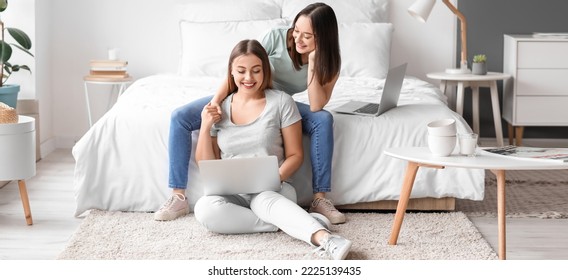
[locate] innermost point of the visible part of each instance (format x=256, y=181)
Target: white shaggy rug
x=426, y=236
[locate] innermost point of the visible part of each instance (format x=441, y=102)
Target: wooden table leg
x=459, y=98
x=496, y=113
x=501, y=213
x=519, y=130
x=407, y=183
x=25, y=202
x=475, y=107
x=511, y=133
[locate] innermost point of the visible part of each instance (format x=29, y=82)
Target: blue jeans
x=184, y=120
x=187, y=118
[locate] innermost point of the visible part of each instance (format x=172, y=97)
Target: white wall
x=146, y=31
x=427, y=47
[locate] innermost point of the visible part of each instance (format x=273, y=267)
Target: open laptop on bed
x=389, y=98
x=240, y=175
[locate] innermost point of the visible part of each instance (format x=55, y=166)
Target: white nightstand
x=17, y=156
x=537, y=95
x=118, y=87
x=475, y=82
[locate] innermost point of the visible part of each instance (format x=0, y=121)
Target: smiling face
x=247, y=73
x=304, y=37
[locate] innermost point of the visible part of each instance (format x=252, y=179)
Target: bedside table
x=475, y=82
x=118, y=87
x=17, y=156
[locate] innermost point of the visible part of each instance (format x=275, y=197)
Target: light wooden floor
x=52, y=204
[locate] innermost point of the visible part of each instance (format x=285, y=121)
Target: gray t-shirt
x=284, y=76
x=261, y=137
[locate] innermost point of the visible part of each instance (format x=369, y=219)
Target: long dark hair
x=326, y=34
x=253, y=47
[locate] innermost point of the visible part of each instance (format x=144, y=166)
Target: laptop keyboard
x=371, y=108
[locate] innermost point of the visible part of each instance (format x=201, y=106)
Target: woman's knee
x=190, y=113
x=321, y=119
x=208, y=212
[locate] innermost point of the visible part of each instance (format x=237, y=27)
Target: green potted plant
x=479, y=66
x=9, y=93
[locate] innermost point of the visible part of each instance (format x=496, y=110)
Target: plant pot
x=9, y=95
x=479, y=68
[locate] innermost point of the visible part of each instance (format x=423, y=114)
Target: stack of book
x=104, y=70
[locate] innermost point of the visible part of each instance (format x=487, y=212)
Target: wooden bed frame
x=418, y=204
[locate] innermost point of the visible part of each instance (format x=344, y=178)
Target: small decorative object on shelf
x=479, y=66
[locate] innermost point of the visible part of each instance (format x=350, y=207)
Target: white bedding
x=122, y=161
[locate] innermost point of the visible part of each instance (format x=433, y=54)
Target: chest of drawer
x=542, y=110
x=542, y=54
x=542, y=81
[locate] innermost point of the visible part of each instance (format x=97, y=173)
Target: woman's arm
x=318, y=94
x=219, y=96
x=293, y=150
x=207, y=147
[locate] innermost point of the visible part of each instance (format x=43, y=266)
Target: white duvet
x=122, y=161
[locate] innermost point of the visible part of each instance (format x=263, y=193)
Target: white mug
x=113, y=53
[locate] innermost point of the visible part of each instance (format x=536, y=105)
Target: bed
x=122, y=160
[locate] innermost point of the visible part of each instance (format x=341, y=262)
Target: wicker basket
x=7, y=114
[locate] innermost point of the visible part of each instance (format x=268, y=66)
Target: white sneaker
x=323, y=220
x=334, y=246
x=175, y=207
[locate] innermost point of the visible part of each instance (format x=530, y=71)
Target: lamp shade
x=421, y=9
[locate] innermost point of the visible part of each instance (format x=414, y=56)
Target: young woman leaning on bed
x=305, y=56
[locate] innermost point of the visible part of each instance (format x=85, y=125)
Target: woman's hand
x=216, y=105
x=210, y=115
x=312, y=57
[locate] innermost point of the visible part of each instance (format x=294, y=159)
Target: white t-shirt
x=261, y=137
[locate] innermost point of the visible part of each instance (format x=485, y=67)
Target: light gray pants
x=262, y=212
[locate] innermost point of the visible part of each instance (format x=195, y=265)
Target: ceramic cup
x=467, y=143
x=441, y=145
x=443, y=127
x=113, y=53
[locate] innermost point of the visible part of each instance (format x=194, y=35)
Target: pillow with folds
x=230, y=10
x=345, y=10
x=206, y=46
x=365, y=49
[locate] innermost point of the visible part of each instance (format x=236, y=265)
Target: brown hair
x=326, y=34
x=253, y=47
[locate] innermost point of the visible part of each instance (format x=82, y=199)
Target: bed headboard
x=374, y=34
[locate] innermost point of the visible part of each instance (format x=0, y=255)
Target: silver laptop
x=240, y=175
x=389, y=98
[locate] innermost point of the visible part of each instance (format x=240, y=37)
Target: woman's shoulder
x=279, y=95
x=277, y=31
x=276, y=92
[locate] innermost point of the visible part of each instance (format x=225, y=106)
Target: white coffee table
x=421, y=157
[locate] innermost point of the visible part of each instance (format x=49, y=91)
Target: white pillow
x=345, y=10
x=230, y=10
x=365, y=49
x=206, y=46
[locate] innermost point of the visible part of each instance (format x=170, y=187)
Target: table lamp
x=421, y=10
